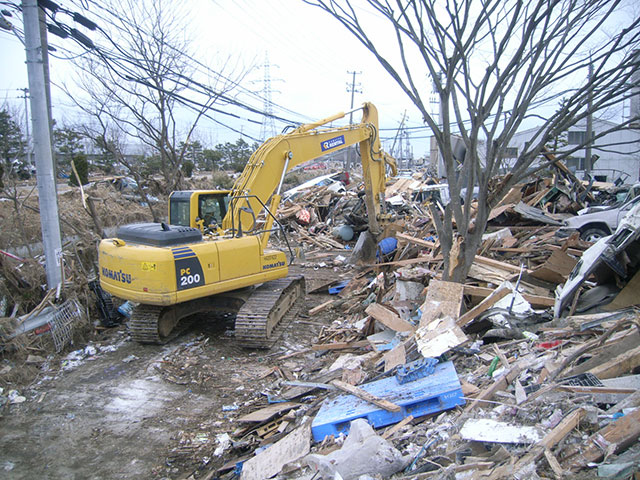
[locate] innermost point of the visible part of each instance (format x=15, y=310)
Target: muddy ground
x=145, y=411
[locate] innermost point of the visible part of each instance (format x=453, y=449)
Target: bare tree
x=143, y=81
x=494, y=64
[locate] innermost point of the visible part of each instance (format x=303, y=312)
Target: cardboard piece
x=269, y=462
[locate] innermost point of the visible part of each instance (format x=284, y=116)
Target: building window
x=511, y=152
x=577, y=138
x=575, y=164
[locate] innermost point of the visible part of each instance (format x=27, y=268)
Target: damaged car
x=596, y=225
x=610, y=267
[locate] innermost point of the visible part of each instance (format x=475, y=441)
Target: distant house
x=618, y=152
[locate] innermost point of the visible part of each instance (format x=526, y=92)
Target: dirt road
x=139, y=411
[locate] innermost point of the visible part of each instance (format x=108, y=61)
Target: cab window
x=179, y=212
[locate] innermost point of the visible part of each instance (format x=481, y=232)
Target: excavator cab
x=202, y=209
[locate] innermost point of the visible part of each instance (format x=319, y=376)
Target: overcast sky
x=308, y=51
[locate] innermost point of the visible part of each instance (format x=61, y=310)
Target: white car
x=596, y=225
x=333, y=182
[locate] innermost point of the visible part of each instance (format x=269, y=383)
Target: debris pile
x=416, y=377
x=527, y=369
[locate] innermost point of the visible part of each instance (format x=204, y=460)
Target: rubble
x=403, y=375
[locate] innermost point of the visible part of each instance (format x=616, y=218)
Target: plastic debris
x=363, y=453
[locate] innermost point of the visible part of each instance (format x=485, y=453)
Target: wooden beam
x=388, y=318
x=550, y=440
x=340, y=345
x=501, y=384
x=490, y=262
x=619, y=365
x=417, y=241
x=390, y=431
x=534, y=300
x=616, y=436
x=483, y=306
x=366, y=396
x=321, y=307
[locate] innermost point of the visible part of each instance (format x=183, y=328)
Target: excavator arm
x=259, y=186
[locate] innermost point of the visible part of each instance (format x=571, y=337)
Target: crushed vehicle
x=185, y=267
x=613, y=263
x=596, y=225
x=335, y=182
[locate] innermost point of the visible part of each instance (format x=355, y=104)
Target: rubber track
x=261, y=320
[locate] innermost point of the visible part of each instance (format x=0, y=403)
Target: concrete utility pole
x=352, y=88
x=36, y=70
x=587, y=150
x=26, y=123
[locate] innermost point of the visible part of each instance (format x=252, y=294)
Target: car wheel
x=593, y=234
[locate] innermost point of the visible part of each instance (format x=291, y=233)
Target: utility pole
x=587, y=150
x=352, y=88
x=37, y=71
x=26, y=123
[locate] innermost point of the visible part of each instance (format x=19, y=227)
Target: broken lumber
x=366, y=396
x=551, y=439
x=340, y=345
x=619, y=365
x=483, y=306
x=613, y=438
x=534, y=300
x=501, y=384
x=417, y=241
x=388, y=318
x=321, y=307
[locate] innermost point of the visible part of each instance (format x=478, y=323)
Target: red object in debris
x=548, y=345
x=303, y=217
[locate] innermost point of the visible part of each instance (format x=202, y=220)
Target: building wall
x=619, y=151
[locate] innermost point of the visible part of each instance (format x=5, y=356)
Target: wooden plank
x=632, y=400
x=501, y=384
x=340, y=345
x=615, y=437
x=417, y=241
x=366, y=396
x=490, y=262
x=627, y=297
x=268, y=413
x=581, y=389
x=321, y=307
x=392, y=430
x=395, y=357
x=269, y=462
x=388, y=318
x=554, y=464
x=483, y=306
x=550, y=440
x=619, y=365
x=534, y=300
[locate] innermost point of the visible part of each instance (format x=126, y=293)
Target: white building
x=618, y=152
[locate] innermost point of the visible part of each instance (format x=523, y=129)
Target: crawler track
x=260, y=314
x=272, y=305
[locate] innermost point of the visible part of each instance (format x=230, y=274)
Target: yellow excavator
x=212, y=255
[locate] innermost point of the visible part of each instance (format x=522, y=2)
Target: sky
x=309, y=55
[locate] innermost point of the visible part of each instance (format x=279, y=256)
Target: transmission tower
x=268, y=128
